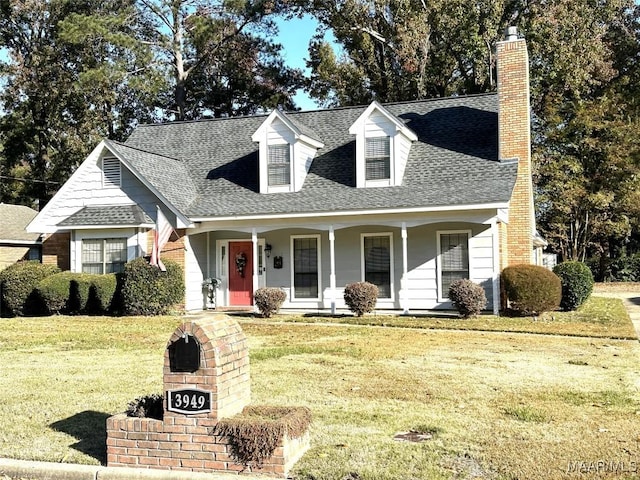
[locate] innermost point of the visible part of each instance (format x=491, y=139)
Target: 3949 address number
x=189, y=401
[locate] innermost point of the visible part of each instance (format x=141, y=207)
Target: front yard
x=494, y=405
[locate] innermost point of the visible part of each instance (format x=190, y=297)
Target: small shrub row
x=32, y=288
x=73, y=293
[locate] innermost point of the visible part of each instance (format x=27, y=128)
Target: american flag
x=161, y=237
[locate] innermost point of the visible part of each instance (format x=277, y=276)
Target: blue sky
x=294, y=35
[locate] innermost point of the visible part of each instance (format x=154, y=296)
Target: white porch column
x=254, y=241
x=332, y=274
x=495, y=238
x=404, y=293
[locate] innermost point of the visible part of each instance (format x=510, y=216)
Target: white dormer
x=383, y=143
x=286, y=150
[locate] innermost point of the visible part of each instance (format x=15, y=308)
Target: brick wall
x=56, y=250
x=184, y=441
x=515, y=142
x=174, y=248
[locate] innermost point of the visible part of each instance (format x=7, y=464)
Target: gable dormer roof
x=287, y=148
x=358, y=126
x=301, y=132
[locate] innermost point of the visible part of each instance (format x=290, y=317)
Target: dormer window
x=377, y=158
x=279, y=165
x=285, y=152
x=383, y=143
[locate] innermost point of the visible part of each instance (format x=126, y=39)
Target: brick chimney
x=514, y=140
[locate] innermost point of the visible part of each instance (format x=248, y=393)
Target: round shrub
x=361, y=297
x=269, y=300
x=74, y=293
x=577, y=283
x=17, y=285
x=467, y=297
x=147, y=290
x=531, y=289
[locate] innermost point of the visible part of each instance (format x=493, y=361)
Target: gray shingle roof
x=108, y=215
x=454, y=162
x=169, y=176
x=13, y=220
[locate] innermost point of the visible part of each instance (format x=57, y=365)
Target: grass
x=599, y=317
x=499, y=405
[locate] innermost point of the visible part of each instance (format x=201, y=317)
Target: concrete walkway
x=631, y=301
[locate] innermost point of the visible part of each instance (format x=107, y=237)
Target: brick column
x=515, y=142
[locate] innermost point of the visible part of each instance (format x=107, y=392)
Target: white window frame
x=366, y=158
x=319, y=265
x=103, y=241
x=391, y=260
x=383, y=182
x=108, y=181
x=284, y=187
x=443, y=296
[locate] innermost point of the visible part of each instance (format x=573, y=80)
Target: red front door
x=240, y=273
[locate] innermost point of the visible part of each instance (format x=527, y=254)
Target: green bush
x=73, y=293
x=269, y=300
x=531, y=289
x=577, y=284
x=146, y=290
x=17, y=285
x=467, y=297
x=361, y=297
x=148, y=406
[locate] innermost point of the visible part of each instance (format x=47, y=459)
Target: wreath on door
x=241, y=262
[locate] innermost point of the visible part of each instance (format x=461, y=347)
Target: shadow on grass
x=90, y=428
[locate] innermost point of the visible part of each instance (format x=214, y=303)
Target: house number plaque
x=189, y=401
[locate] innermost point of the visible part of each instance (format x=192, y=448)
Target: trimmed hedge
x=146, y=290
x=73, y=293
x=361, y=297
x=17, y=285
x=148, y=406
x=531, y=289
x=269, y=300
x=467, y=297
x=577, y=284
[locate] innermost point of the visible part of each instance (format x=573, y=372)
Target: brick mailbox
x=206, y=379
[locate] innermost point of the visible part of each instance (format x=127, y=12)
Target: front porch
x=412, y=260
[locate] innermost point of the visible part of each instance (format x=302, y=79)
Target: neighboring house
x=15, y=243
x=410, y=196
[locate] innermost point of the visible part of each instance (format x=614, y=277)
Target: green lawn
x=497, y=405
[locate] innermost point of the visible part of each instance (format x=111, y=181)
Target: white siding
x=85, y=188
x=194, y=274
x=402, y=147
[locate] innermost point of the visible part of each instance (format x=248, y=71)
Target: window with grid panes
x=305, y=267
x=454, y=259
x=279, y=165
x=104, y=255
x=377, y=158
x=377, y=263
